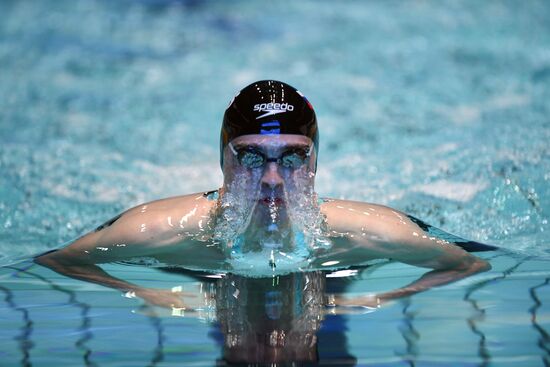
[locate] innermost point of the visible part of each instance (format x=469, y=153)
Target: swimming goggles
x=250, y=157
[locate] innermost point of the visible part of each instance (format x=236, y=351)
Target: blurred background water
x=439, y=109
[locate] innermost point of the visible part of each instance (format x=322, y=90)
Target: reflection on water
x=270, y=320
x=273, y=320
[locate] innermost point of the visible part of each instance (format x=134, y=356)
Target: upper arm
x=145, y=230
x=121, y=237
x=388, y=233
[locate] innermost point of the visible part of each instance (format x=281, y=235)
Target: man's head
x=268, y=150
x=268, y=107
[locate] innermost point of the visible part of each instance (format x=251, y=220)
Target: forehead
x=272, y=141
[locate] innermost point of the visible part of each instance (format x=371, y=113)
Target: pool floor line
x=24, y=340
x=158, y=355
x=480, y=314
x=544, y=339
x=84, y=328
x=409, y=332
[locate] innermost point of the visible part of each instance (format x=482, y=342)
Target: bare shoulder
x=375, y=226
x=150, y=220
x=390, y=233
x=173, y=208
x=145, y=229
x=348, y=215
x=168, y=210
x=351, y=205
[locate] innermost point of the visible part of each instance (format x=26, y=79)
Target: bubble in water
x=305, y=213
x=235, y=207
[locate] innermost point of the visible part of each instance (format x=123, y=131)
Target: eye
x=294, y=158
x=251, y=159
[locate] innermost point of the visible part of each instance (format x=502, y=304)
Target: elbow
x=480, y=266
x=54, y=260
x=472, y=266
x=43, y=260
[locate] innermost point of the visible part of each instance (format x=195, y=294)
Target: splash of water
x=235, y=209
x=305, y=214
x=274, y=247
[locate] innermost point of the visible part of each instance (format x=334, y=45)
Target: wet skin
x=181, y=230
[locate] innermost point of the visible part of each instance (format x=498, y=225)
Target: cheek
x=300, y=178
x=237, y=174
x=247, y=179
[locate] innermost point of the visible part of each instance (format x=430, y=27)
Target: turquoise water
x=438, y=109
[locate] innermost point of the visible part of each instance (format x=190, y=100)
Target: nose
x=271, y=176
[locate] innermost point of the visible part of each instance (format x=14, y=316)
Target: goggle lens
x=251, y=158
x=294, y=158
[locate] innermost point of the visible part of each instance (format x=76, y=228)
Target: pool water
x=497, y=318
x=439, y=109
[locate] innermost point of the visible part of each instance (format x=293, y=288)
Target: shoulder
x=373, y=223
x=393, y=234
x=199, y=200
x=144, y=230
x=352, y=206
x=346, y=215
x=160, y=216
x=173, y=205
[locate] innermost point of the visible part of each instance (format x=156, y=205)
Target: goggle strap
x=233, y=149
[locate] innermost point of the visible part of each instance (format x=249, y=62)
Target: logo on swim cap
x=260, y=108
x=272, y=108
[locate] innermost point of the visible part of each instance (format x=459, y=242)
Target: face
x=266, y=178
x=270, y=163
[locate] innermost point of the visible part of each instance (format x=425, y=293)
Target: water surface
x=437, y=109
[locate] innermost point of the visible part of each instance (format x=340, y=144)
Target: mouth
x=271, y=201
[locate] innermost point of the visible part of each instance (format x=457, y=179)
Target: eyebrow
x=259, y=145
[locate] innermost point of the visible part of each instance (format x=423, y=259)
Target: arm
x=430, y=279
x=386, y=233
x=94, y=274
x=116, y=240
x=436, y=278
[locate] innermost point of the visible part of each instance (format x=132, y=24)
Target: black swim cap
x=268, y=107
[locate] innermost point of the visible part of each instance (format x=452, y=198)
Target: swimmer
x=266, y=219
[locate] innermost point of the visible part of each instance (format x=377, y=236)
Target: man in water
x=266, y=218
